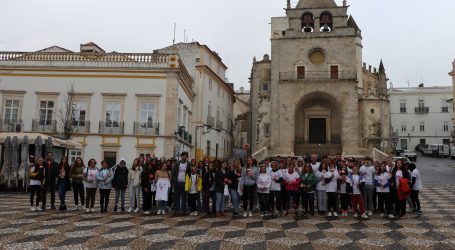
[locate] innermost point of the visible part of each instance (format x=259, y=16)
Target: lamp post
x=200, y=140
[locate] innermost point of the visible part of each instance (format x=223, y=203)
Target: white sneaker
x=195, y=213
x=148, y=212
x=356, y=215
x=130, y=210
x=335, y=214
x=364, y=216
x=87, y=210
x=157, y=213
x=33, y=209
x=136, y=210
x=382, y=215
x=245, y=214
x=76, y=208
x=329, y=214
x=391, y=216
x=163, y=211
x=92, y=210
x=370, y=213
x=250, y=214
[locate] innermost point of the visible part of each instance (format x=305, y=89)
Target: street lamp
x=203, y=133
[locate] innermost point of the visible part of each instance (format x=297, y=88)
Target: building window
x=421, y=103
x=403, y=127
x=307, y=22
x=404, y=144
x=74, y=153
x=11, y=111
x=300, y=72
x=326, y=22
x=265, y=86
x=46, y=112
x=422, y=127
x=445, y=126
x=147, y=114
x=267, y=129
x=110, y=157
x=446, y=141
x=444, y=106
x=208, y=148
x=333, y=72
x=210, y=84
x=79, y=113
x=422, y=142
x=402, y=106
x=113, y=110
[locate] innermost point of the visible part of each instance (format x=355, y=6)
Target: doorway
x=317, y=131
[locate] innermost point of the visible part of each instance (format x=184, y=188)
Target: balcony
x=219, y=124
x=318, y=75
x=11, y=126
x=111, y=127
x=184, y=135
x=46, y=126
x=211, y=121
x=146, y=128
x=422, y=110
x=81, y=127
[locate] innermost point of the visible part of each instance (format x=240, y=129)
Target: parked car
x=411, y=155
x=398, y=151
x=436, y=150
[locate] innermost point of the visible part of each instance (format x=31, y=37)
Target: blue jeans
x=161, y=205
x=118, y=193
x=219, y=202
x=235, y=200
x=61, y=188
x=180, y=197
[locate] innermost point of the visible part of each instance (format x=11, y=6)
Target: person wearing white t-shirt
x=368, y=172
x=354, y=181
x=416, y=186
x=382, y=179
x=320, y=188
x=275, y=189
x=314, y=163
x=331, y=181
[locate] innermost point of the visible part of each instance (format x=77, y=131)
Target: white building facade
x=213, y=103
x=122, y=104
x=421, y=116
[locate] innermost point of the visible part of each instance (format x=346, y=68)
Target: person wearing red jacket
x=291, y=184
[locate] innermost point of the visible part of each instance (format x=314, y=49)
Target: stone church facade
x=315, y=94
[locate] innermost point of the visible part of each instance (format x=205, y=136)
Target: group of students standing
x=332, y=185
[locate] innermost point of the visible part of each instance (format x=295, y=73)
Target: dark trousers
x=48, y=189
x=400, y=207
x=180, y=197
x=104, y=198
x=35, y=189
x=146, y=200
x=344, y=198
x=284, y=198
x=308, y=202
x=91, y=193
x=384, y=204
x=78, y=190
x=331, y=201
x=415, y=199
x=263, y=201
x=248, y=197
x=152, y=197
x=205, y=201
x=192, y=200
x=292, y=199
x=198, y=201
x=275, y=200
x=375, y=200
x=213, y=198
x=61, y=186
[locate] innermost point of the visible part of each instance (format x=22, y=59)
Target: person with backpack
x=120, y=183
x=91, y=185
x=105, y=177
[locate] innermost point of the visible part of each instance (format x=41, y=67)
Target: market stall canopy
x=56, y=142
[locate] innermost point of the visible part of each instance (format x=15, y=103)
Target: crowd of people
x=331, y=186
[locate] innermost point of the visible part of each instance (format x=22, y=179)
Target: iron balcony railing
x=445, y=109
x=219, y=124
x=422, y=110
x=111, y=127
x=48, y=126
x=81, y=127
x=146, y=128
x=318, y=75
x=11, y=126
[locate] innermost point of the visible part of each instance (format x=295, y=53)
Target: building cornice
x=13, y=92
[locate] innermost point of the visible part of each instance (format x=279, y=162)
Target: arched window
x=326, y=22
x=307, y=22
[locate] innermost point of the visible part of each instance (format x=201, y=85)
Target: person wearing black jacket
x=179, y=172
x=234, y=175
x=221, y=179
x=147, y=180
x=50, y=182
x=63, y=181
x=120, y=183
x=208, y=189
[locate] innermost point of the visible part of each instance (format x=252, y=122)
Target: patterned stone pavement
x=22, y=229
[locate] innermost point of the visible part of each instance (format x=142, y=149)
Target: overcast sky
x=415, y=38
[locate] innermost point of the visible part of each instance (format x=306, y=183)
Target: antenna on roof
x=184, y=35
x=175, y=27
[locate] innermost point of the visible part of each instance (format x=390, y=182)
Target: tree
x=65, y=113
